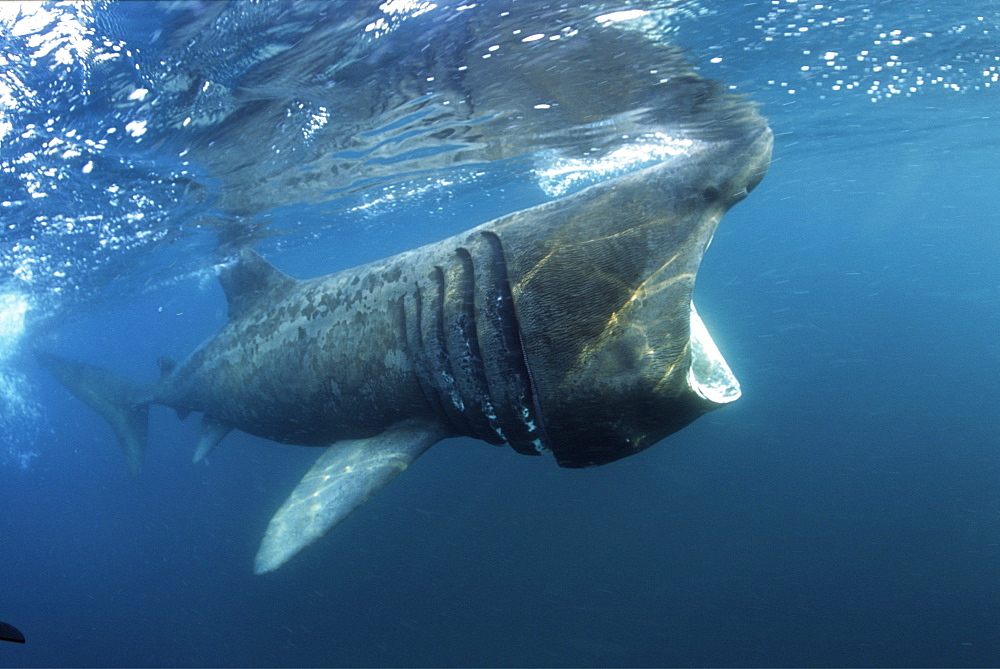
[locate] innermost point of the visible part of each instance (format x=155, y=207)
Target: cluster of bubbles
x=79, y=189
x=20, y=419
x=881, y=50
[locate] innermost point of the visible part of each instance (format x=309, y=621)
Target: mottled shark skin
x=565, y=328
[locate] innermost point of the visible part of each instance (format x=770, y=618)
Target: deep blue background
x=846, y=511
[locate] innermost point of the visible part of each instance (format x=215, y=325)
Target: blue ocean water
x=845, y=511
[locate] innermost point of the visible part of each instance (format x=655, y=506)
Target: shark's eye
x=711, y=194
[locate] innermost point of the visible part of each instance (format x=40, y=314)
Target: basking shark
x=565, y=329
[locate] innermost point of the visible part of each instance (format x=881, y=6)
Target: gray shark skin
x=565, y=328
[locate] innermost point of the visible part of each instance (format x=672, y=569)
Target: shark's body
x=564, y=328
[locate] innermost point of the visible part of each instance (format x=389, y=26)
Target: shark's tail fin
x=124, y=404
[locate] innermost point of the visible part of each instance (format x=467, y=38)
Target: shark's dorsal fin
x=166, y=365
x=249, y=278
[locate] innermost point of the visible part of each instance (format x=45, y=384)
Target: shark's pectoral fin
x=343, y=478
x=212, y=432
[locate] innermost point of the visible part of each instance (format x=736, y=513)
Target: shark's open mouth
x=709, y=376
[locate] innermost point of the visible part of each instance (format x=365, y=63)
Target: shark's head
x=618, y=356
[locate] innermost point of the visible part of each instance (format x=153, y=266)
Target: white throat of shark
x=709, y=376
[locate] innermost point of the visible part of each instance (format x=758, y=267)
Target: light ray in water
x=19, y=415
x=13, y=308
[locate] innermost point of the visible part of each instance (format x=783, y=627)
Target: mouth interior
x=709, y=376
